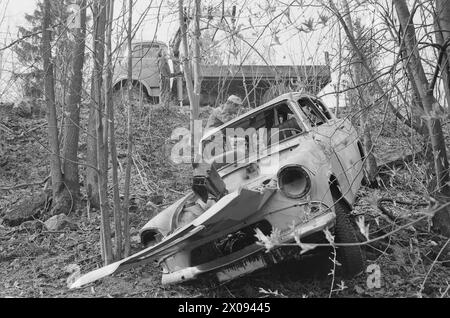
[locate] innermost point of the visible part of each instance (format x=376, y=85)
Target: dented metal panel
x=212, y=230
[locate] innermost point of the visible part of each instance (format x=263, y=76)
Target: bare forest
x=107, y=110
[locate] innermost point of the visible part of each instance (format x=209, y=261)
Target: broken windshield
x=314, y=111
x=252, y=135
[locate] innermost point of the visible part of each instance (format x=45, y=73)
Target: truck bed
x=257, y=84
x=266, y=72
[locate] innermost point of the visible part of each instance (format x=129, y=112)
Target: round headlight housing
x=294, y=181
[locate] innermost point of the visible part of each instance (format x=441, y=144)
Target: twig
x=422, y=286
x=175, y=191
x=366, y=242
x=144, y=184
x=333, y=271
x=53, y=232
x=32, y=129
x=446, y=290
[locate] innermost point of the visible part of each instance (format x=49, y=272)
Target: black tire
x=120, y=97
x=120, y=101
x=350, y=257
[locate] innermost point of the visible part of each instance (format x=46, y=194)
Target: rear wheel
x=350, y=257
x=120, y=98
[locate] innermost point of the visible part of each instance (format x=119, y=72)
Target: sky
x=287, y=47
x=286, y=53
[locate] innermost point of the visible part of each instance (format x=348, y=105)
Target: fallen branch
x=398, y=162
x=380, y=205
x=25, y=185
x=422, y=286
x=32, y=129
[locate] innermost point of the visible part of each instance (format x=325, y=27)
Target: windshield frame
x=289, y=102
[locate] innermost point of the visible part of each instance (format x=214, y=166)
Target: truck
x=255, y=84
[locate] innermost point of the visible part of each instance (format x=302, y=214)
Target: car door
x=344, y=138
x=145, y=63
x=340, y=135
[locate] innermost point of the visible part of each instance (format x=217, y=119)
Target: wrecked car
x=288, y=167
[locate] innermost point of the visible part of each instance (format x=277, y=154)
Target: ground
x=34, y=262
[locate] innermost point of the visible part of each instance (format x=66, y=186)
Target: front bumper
x=249, y=259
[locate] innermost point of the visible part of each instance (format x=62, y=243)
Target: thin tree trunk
x=197, y=78
x=197, y=60
x=442, y=25
x=99, y=56
x=4, y=45
x=338, y=84
x=441, y=166
x=116, y=194
x=110, y=116
x=126, y=222
x=175, y=47
x=72, y=123
x=49, y=92
x=193, y=100
x=106, y=91
x=427, y=96
x=370, y=74
x=95, y=104
x=370, y=164
x=417, y=103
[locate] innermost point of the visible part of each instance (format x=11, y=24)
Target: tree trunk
x=370, y=162
x=175, y=47
x=415, y=100
x=418, y=128
x=197, y=78
x=95, y=104
x=49, y=87
x=442, y=25
x=197, y=61
x=440, y=161
x=126, y=222
x=72, y=122
x=338, y=84
x=110, y=119
x=97, y=82
x=193, y=99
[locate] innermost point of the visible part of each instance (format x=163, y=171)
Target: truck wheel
x=121, y=96
x=120, y=101
x=350, y=257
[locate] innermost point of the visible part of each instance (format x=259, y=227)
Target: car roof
x=291, y=95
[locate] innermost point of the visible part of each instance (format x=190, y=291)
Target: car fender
x=124, y=79
x=161, y=224
x=322, y=163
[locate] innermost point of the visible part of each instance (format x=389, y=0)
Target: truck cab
x=145, y=68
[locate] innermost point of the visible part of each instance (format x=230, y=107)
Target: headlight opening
x=294, y=181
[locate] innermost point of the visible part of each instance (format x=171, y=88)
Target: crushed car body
x=289, y=166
